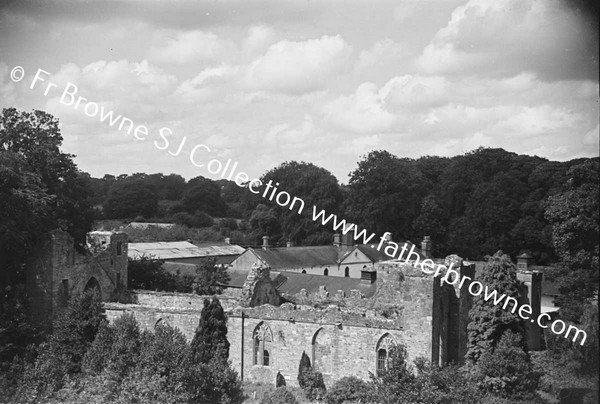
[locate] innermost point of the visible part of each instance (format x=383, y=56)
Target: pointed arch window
x=262, y=339
x=385, y=344
x=326, y=272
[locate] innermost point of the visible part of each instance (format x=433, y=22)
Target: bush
x=348, y=389
x=279, y=380
x=314, y=385
x=281, y=395
x=507, y=370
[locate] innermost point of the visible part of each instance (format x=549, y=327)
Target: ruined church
x=345, y=324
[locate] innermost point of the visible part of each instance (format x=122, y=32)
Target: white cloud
x=298, y=66
x=191, y=46
x=361, y=112
x=504, y=37
x=385, y=52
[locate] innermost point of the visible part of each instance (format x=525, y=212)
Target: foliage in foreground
x=87, y=360
x=281, y=395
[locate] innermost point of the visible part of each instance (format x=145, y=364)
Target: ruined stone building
x=58, y=271
x=346, y=325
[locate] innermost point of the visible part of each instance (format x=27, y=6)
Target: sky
x=262, y=82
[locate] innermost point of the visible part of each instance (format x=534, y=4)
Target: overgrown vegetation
x=87, y=360
x=148, y=273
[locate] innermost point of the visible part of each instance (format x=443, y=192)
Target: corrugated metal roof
x=180, y=249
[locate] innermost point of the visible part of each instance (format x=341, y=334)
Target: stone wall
x=57, y=271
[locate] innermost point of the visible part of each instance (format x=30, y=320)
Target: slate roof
x=180, y=249
x=375, y=255
x=296, y=257
x=292, y=282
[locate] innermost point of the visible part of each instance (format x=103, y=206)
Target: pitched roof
x=298, y=257
x=292, y=282
x=180, y=249
x=375, y=255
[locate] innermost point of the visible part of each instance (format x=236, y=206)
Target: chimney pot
x=265, y=244
x=426, y=246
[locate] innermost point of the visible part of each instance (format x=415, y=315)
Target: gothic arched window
x=347, y=272
x=261, y=338
x=322, y=351
x=386, y=342
x=326, y=272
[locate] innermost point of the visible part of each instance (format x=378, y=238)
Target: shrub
x=279, y=380
x=507, y=370
x=281, y=395
x=314, y=385
x=348, y=389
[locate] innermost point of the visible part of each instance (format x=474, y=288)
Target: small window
x=119, y=248
x=256, y=350
x=326, y=272
x=347, y=272
x=265, y=358
x=381, y=361
x=304, y=271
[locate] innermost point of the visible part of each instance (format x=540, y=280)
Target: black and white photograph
x=299, y=201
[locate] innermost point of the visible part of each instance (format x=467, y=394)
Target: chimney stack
x=289, y=244
x=337, y=240
x=347, y=240
x=265, y=244
x=426, y=247
x=227, y=240
x=388, y=237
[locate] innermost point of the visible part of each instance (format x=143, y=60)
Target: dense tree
x=169, y=187
x=210, y=278
x=314, y=185
x=210, y=340
x=574, y=215
x=131, y=197
x=264, y=221
x=40, y=188
x=395, y=383
x=489, y=321
x=506, y=370
x=26, y=214
x=61, y=357
x=385, y=193
x=202, y=194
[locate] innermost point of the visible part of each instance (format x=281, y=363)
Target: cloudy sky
x=262, y=82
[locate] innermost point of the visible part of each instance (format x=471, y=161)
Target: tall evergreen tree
x=304, y=368
x=210, y=340
x=490, y=321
